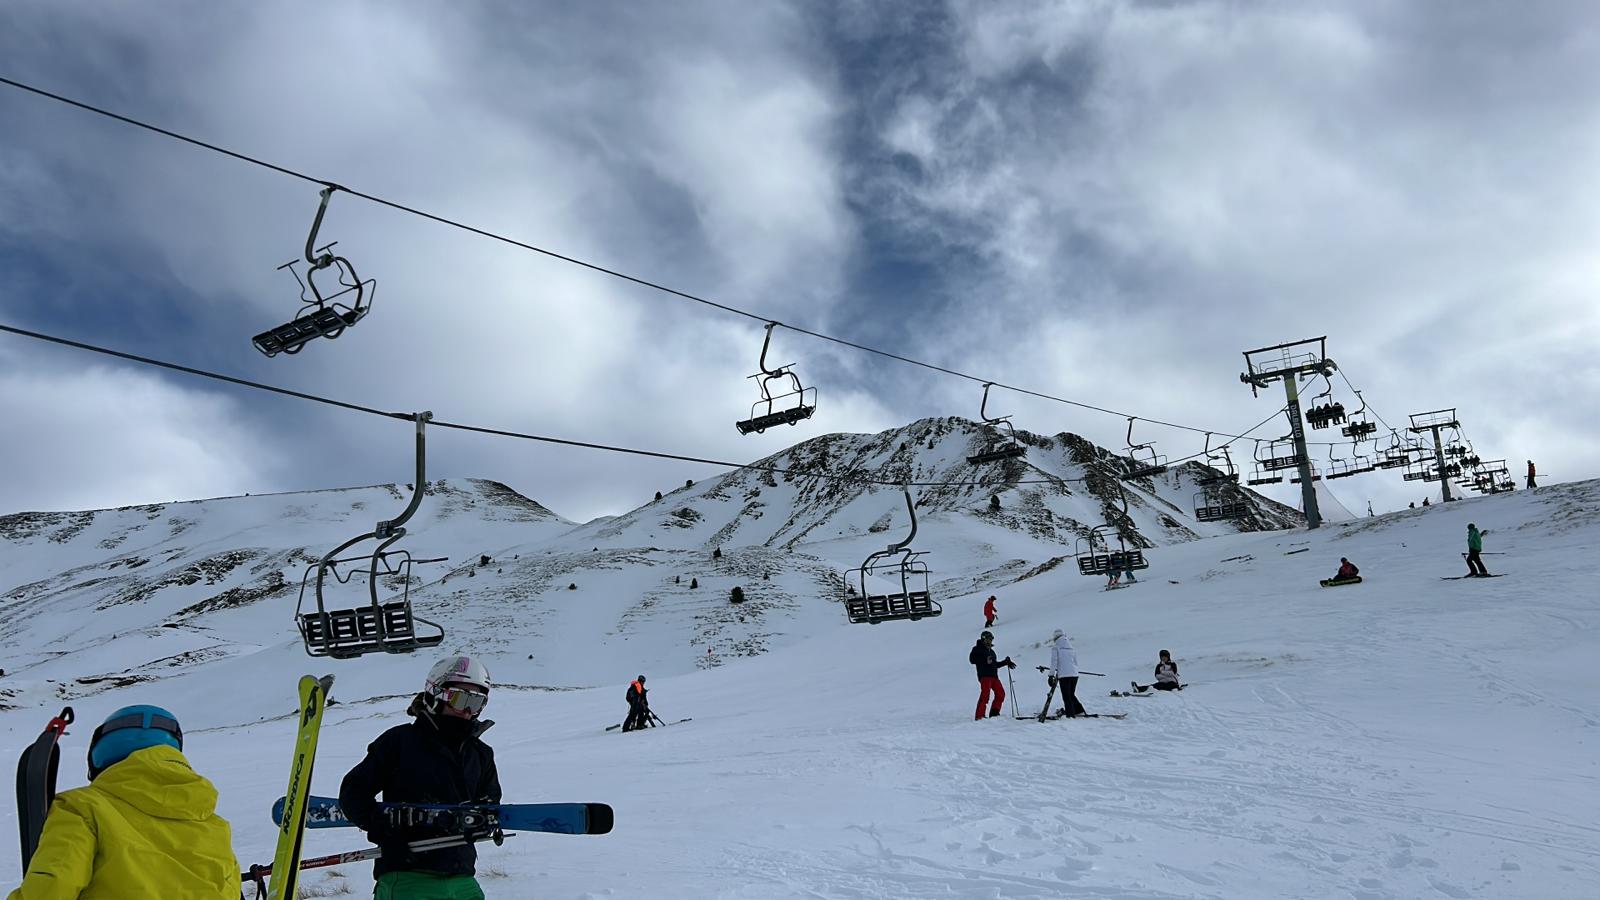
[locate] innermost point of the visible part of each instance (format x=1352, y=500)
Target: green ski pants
x=424, y=886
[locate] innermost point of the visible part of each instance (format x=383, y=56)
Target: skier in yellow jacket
x=145, y=826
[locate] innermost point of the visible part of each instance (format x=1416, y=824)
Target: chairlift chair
x=996, y=447
x=1228, y=473
x=1326, y=414
x=789, y=407
x=911, y=601
x=1360, y=427
x=1315, y=476
x=1262, y=474
x=321, y=315
x=1418, y=467
x=1151, y=463
x=378, y=626
x=1281, y=454
x=1213, y=506
x=1094, y=556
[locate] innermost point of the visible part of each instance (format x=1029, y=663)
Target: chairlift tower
x=1288, y=363
x=1436, y=421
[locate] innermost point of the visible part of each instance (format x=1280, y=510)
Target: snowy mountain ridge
x=185, y=586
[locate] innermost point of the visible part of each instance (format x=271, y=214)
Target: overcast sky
x=1107, y=201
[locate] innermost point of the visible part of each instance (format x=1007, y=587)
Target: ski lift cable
x=500, y=432
x=595, y=267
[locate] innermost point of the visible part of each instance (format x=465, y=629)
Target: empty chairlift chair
x=377, y=626
x=1146, y=461
x=793, y=402
x=321, y=315
x=996, y=447
x=892, y=583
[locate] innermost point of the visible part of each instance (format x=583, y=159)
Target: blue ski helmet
x=128, y=729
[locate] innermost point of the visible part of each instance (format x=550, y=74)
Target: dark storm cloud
x=1105, y=200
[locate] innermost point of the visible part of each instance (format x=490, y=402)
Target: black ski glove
x=1044, y=668
x=1010, y=664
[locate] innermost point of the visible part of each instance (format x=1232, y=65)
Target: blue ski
x=550, y=818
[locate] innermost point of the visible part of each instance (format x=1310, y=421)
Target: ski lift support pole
x=1287, y=363
x=1436, y=421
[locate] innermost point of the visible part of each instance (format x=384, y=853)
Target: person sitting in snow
x=1347, y=570
x=1166, y=676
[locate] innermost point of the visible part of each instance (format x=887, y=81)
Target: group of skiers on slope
x=146, y=824
x=1062, y=675
x=1475, y=568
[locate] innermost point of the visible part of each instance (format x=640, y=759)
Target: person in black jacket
x=638, y=706
x=982, y=656
x=439, y=757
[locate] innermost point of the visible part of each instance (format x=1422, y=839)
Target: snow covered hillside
x=95, y=600
x=1408, y=737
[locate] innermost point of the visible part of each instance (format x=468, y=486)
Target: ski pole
x=334, y=859
x=1097, y=674
x=1013, y=682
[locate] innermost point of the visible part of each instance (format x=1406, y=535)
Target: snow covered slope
x=95, y=600
x=1409, y=737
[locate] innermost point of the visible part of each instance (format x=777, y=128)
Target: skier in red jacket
x=988, y=612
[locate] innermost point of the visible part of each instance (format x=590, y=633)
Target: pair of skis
x=1044, y=712
x=653, y=722
x=492, y=819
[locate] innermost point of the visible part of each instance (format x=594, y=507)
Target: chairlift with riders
x=1326, y=414
x=1360, y=427
x=1093, y=550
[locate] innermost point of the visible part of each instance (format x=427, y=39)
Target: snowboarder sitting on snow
x=1064, y=673
x=1347, y=570
x=145, y=826
x=988, y=612
x=982, y=656
x=1166, y=676
x=438, y=757
x=638, y=706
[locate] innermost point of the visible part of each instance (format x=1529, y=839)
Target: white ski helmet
x=456, y=670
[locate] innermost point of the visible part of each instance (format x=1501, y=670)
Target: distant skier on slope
x=1474, y=547
x=1166, y=675
x=1347, y=570
x=988, y=612
x=1531, y=474
x=1064, y=673
x=146, y=825
x=638, y=706
x=982, y=656
x=438, y=757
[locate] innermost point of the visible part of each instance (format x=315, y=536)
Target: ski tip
x=601, y=818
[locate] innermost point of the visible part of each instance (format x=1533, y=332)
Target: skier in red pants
x=982, y=656
x=988, y=612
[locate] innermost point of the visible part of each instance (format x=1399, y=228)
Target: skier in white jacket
x=1064, y=673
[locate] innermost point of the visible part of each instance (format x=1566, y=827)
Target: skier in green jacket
x=1475, y=567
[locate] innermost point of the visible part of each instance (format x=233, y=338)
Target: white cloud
x=96, y=437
